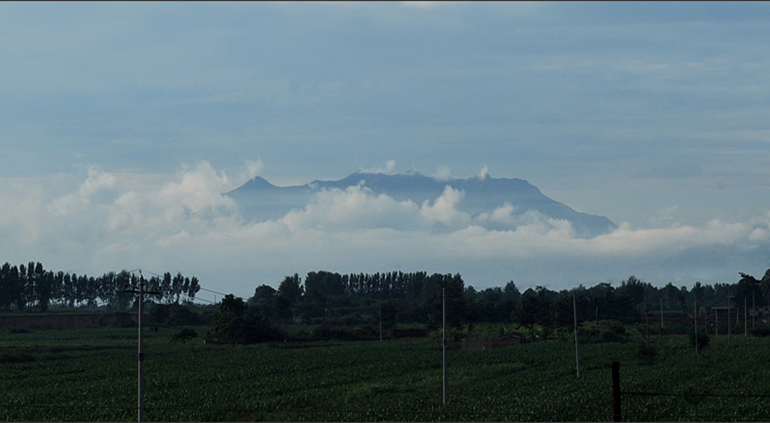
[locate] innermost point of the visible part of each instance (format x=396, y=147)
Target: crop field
x=91, y=375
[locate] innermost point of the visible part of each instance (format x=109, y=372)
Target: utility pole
x=728, y=316
x=661, y=315
x=141, y=292
x=443, y=317
x=695, y=320
x=577, y=346
x=745, y=317
x=646, y=317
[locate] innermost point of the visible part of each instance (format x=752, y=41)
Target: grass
x=90, y=375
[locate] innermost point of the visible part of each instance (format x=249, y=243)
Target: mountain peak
x=259, y=182
x=259, y=199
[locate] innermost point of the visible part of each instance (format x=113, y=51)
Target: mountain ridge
x=259, y=199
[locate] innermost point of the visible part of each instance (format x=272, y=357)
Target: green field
x=90, y=375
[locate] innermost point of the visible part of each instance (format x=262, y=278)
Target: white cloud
x=424, y=4
x=483, y=173
x=444, y=209
x=199, y=191
x=388, y=168
x=355, y=208
x=95, y=182
x=443, y=173
x=185, y=224
x=98, y=187
x=253, y=168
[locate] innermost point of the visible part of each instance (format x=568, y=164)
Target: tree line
x=32, y=287
x=416, y=298
x=390, y=297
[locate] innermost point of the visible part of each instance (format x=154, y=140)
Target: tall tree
x=291, y=288
x=228, y=321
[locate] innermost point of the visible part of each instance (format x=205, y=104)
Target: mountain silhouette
x=519, y=200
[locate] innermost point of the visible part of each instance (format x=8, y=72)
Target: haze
x=123, y=124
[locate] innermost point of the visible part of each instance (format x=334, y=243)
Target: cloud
x=96, y=182
x=253, y=168
x=483, y=173
x=355, y=208
x=111, y=221
x=98, y=187
x=443, y=173
x=424, y=4
x=503, y=214
x=444, y=209
x=198, y=191
x=389, y=166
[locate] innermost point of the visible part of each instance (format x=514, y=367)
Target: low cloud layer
x=182, y=222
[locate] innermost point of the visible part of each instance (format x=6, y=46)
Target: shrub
x=612, y=336
x=173, y=315
x=616, y=327
x=329, y=331
x=597, y=335
x=702, y=340
x=184, y=335
x=646, y=353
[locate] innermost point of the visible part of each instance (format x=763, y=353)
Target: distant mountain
x=258, y=199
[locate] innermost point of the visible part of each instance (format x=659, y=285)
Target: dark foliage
x=31, y=286
x=646, y=353
x=701, y=339
x=236, y=322
x=184, y=335
x=760, y=332
x=173, y=315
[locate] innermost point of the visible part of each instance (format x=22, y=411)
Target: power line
x=213, y=292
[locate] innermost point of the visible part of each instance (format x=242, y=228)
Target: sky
x=122, y=123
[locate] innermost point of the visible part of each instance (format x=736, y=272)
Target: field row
x=90, y=375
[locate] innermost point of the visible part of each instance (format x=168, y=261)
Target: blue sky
x=122, y=122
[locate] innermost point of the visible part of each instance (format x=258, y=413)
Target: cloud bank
x=183, y=222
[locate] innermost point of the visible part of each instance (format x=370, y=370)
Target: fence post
x=616, y=413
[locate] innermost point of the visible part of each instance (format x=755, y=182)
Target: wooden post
x=729, y=332
x=695, y=320
x=141, y=352
x=661, y=315
x=616, y=411
x=646, y=317
x=577, y=346
x=443, y=313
